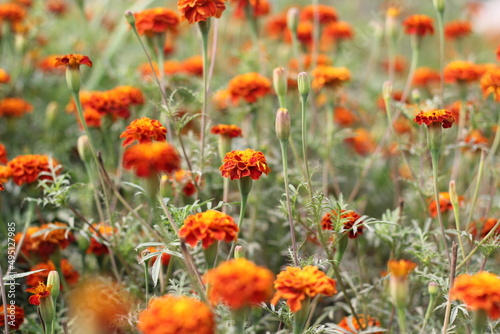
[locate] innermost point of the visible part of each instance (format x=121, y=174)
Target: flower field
x=249, y=166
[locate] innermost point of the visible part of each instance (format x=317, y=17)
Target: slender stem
x=146, y=278
x=296, y=54
x=204, y=30
x=415, y=45
x=492, y=231
x=453, y=267
x=441, y=55
x=496, y=142
x=303, y=104
x=401, y=319
x=476, y=189
x=428, y=313
x=457, y=226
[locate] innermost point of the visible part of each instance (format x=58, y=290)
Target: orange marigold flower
x=2, y=188
x=171, y=67
x=399, y=64
x=231, y=131
x=498, y=53
x=27, y=168
x=174, y=315
x=40, y=291
x=362, y=142
x=165, y=257
x=276, y=25
x=339, y=30
x=193, y=66
x=14, y=107
x=15, y=316
x=92, y=117
x=144, y=130
x=456, y=108
x=349, y=219
x=462, y=71
x=441, y=116
x=479, y=292
x=3, y=154
x=457, y=29
x=258, y=7
x=344, y=116
x=296, y=284
x=239, y=283
x=351, y=325
x=97, y=245
x=400, y=268
x=424, y=76
x=239, y=164
x=44, y=240
x=444, y=203
x=476, y=139
x=490, y=83
x=486, y=225
x=322, y=60
x=155, y=21
x=304, y=33
x=208, y=227
x=329, y=76
x=396, y=96
x=200, y=10
x=222, y=99
x=420, y=25
x=12, y=12
x=250, y=87
x=71, y=276
x=4, y=76
x=73, y=61
x=5, y=173
x=57, y=6
x=186, y=181
x=327, y=14
x=149, y=159
x=48, y=64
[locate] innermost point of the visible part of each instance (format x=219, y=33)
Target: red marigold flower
x=3, y=154
x=490, y=83
x=296, y=284
x=276, y=25
x=239, y=164
x=73, y=61
x=149, y=159
x=12, y=310
x=344, y=117
x=349, y=217
x=400, y=268
x=339, y=30
x=92, y=117
x=40, y=291
x=144, y=130
x=249, y=86
x=351, y=325
x=362, y=142
x=441, y=116
x=5, y=173
x=97, y=245
x=329, y=76
x=27, y=168
x=57, y=6
x=165, y=257
x=485, y=225
x=457, y=29
x=186, y=181
x=304, y=33
x=71, y=276
x=231, y=131
x=4, y=76
x=327, y=14
x=193, y=66
x=14, y=107
x=444, y=203
x=462, y=71
x=424, y=76
x=12, y=12
x=420, y=25
x=200, y=10
x=208, y=227
x=155, y=21
x=239, y=283
x=258, y=7
x=48, y=64
x=476, y=139
x=479, y=292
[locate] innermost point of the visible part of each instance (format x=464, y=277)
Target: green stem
x=296, y=54
x=204, y=30
x=457, y=226
x=245, y=185
x=146, y=277
x=415, y=46
x=476, y=190
x=303, y=103
x=428, y=313
x=496, y=142
x=441, y=55
x=401, y=320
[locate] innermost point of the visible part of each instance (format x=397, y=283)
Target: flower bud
x=130, y=18
x=54, y=281
x=48, y=312
x=280, y=81
x=239, y=252
x=282, y=124
x=387, y=90
x=453, y=194
x=73, y=79
x=391, y=25
x=50, y=114
x=293, y=19
x=83, y=147
x=433, y=288
x=304, y=84
x=439, y=5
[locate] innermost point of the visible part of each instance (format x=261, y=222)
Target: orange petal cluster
x=97, y=245
x=71, y=276
x=326, y=14
x=258, y=7
x=193, y=66
x=12, y=12
x=420, y=25
x=444, y=203
x=239, y=164
x=462, y=71
x=200, y=10
x=26, y=168
x=322, y=60
x=5, y=173
x=165, y=257
x=39, y=292
x=304, y=33
x=349, y=219
x=3, y=154
x=490, y=83
x=73, y=61
x=14, y=107
x=329, y=76
x=475, y=139
x=239, y=283
x=208, y=227
x=44, y=240
x=176, y=315
x=57, y=6
x=144, y=130
x=18, y=314
x=226, y=130
x=149, y=159
x=155, y=21
x=344, y=117
x=48, y=64
x=486, y=225
x=400, y=268
x=250, y=87
x=457, y=29
x=296, y=284
x=186, y=181
x=4, y=76
x=441, y=116
x=424, y=76
x=339, y=30
x=276, y=25
x=222, y=99
x=362, y=142
x=351, y=325
x=479, y=292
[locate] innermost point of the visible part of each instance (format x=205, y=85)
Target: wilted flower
x=27, y=168
x=431, y=117
x=419, y=25
x=14, y=107
x=444, y=203
x=73, y=61
x=350, y=218
x=226, y=130
x=15, y=316
x=200, y=10
x=239, y=164
x=39, y=292
x=490, y=83
x=329, y=76
x=457, y=29
x=149, y=159
x=249, y=86
x=144, y=130
x=155, y=21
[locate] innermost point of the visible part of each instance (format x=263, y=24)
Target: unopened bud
x=280, y=81
x=50, y=114
x=83, y=147
x=54, y=281
x=293, y=19
x=433, y=288
x=130, y=18
x=453, y=194
x=439, y=5
x=391, y=26
x=282, y=124
x=239, y=252
x=415, y=95
x=304, y=84
x=73, y=79
x=387, y=90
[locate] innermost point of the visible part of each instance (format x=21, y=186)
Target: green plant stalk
x=239, y=318
x=493, y=230
x=328, y=146
x=476, y=189
x=204, y=30
x=300, y=317
x=244, y=185
x=392, y=57
x=428, y=313
x=303, y=103
x=296, y=53
x=401, y=319
x=441, y=55
x=457, y=226
x=284, y=154
x=496, y=141
x=146, y=278
x=479, y=322
x=415, y=47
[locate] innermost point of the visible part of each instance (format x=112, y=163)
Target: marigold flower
x=258, y=7
x=462, y=72
x=441, y=116
x=486, y=225
x=144, y=130
x=71, y=276
x=329, y=76
x=296, y=284
x=27, y=168
x=97, y=245
x=304, y=33
x=424, y=76
x=186, y=181
x=250, y=87
x=44, y=240
x=498, y=53
x=48, y=64
x=231, y=131
x=165, y=257
x=327, y=14
x=400, y=64
x=222, y=99
x=350, y=218
x=420, y=25
x=5, y=173
x=479, y=292
x=40, y=291
x=239, y=283
x=362, y=142
x=73, y=61
x=3, y=154
x=457, y=29
x=456, y=108
x=149, y=159
x=476, y=139
x=351, y=325
x=2, y=188
x=15, y=311
x=344, y=117
x=276, y=25
x=400, y=268
x=14, y=107
x=490, y=83
x=208, y=227
x=339, y=30
x=12, y=13
x=57, y=6
x=174, y=315
x=322, y=60
x=4, y=76
x=444, y=203
x=193, y=66
x=200, y=10
x=239, y=164
x=155, y=21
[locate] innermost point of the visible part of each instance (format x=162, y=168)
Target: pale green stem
x=428, y=313
x=496, y=142
x=441, y=55
x=476, y=189
x=146, y=277
x=457, y=226
x=415, y=46
x=303, y=103
x=435, y=159
x=296, y=53
x=204, y=30
x=401, y=319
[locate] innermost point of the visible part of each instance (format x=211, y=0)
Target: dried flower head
x=39, y=292
x=149, y=159
x=326, y=14
x=200, y=10
x=208, y=227
x=296, y=284
x=351, y=325
x=71, y=275
x=424, y=76
x=156, y=21
x=239, y=283
x=490, y=83
x=15, y=311
x=349, y=217
x=457, y=29
x=329, y=76
x=144, y=130
x=462, y=72
x=419, y=25
x=27, y=168
x=73, y=61
x=14, y=107
x=444, y=204
x=430, y=117
x=239, y=164
x=250, y=87
x=226, y=130
x=400, y=268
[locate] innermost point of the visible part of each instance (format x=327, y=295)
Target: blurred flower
x=276, y=25
x=186, y=181
x=349, y=219
x=97, y=246
x=456, y=108
x=222, y=99
x=479, y=292
x=304, y=33
x=441, y=116
x=329, y=76
x=344, y=117
x=2, y=188
x=476, y=139
x=420, y=25
x=174, y=315
x=208, y=227
x=490, y=83
x=399, y=64
x=73, y=61
x=351, y=325
x=396, y=96
x=258, y=7
x=326, y=14
x=48, y=64
x=39, y=292
x=239, y=164
x=57, y=6
x=44, y=240
x=15, y=316
x=200, y=10
x=4, y=76
x=424, y=76
x=231, y=131
x=27, y=168
x=402, y=125
x=165, y=257
x=239, y=283
x=12, y=13
x=14, y=107
x=249, y=86
x=149, y=159
x=71, y=276
x=155, y=21
x=296, y=284
x=361, y=141
x=5, y=173
x=322, y=60
x=339, y=30
x=498, y=52
x=3, y=154
x=462, y=72
x=400, y=268
x=485, y=225
x=144, y=130
x=193, y=66
x=444, y=204
x=25, y=3
x=457, y=29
